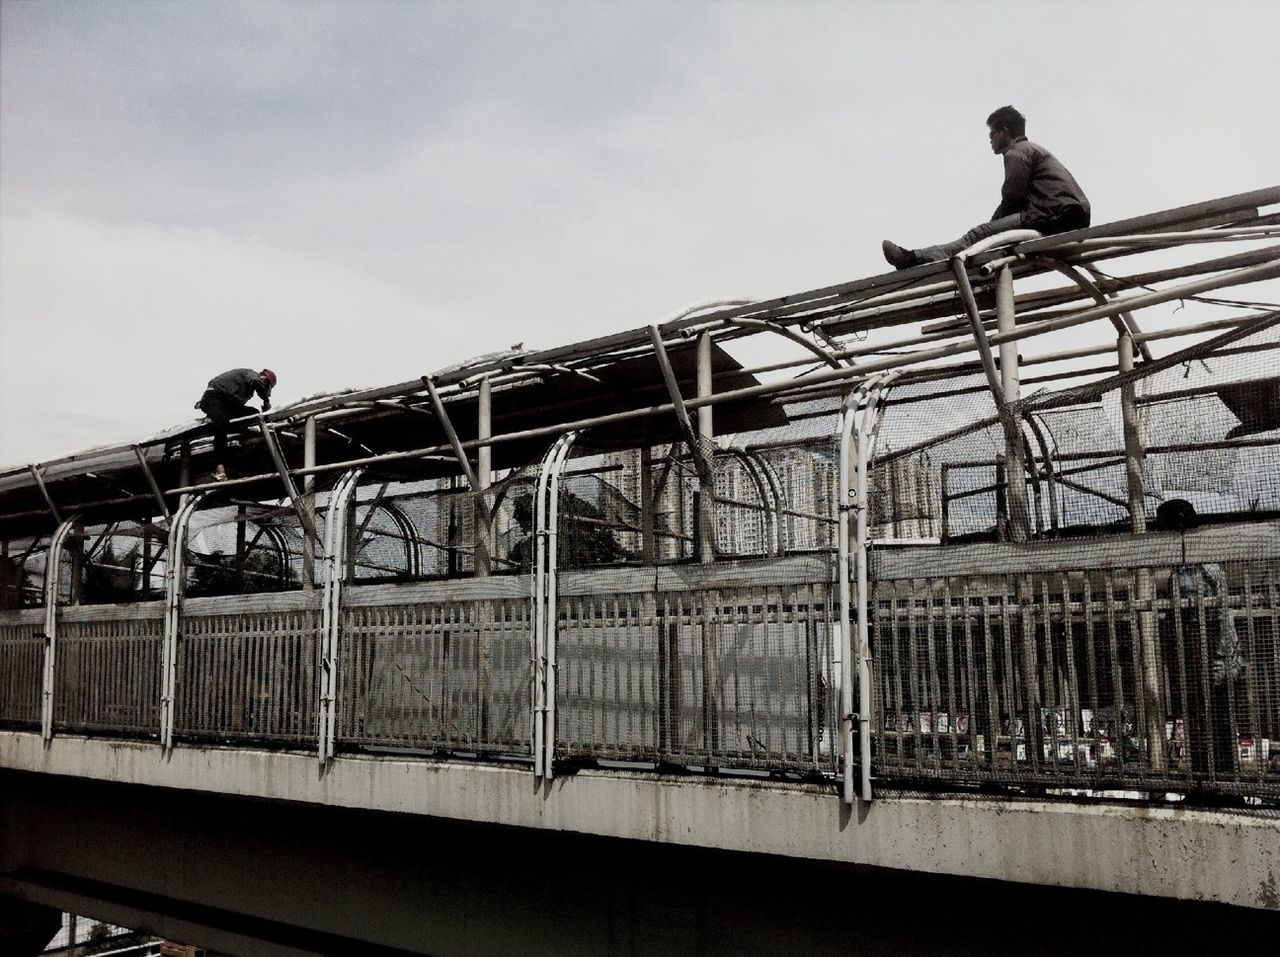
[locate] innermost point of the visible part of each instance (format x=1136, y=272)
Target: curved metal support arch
x=335, y=533
x=531, y=367
x=52, y=568
x=1123, y=322
x=1009, y=237
x=786, y=333
x=704, y=306
x=768, y=501
x=280, y=545
x=1050, y=478
x=545, y=565
x=782, y=519
x=842, y=645
x=412, y=548
x=174, y=584
x=861, y=414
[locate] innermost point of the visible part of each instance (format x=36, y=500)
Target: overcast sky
x=357, y=193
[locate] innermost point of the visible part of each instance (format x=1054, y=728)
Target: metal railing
x=1163, y=675
x=989, y=667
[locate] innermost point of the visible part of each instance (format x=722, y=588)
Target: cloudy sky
x=360, y=192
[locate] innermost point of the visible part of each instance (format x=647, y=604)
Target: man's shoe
x=897, y=257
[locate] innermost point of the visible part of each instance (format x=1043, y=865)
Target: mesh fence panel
x=107, y=670
x=21, y=668
x=429, y=667
x=248, y=672
x=707, y=676
x=1059, y=648
x=429, y=673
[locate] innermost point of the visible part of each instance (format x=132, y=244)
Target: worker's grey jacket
x=1040, y=188
x=241, y=384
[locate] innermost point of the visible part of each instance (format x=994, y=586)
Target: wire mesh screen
x=18, y=586
x=247, y=669
x=244, y=549
x=707, y=676
x=107, y=669
x=422, y=671
x=117, y=562
x=1089, y=656
x=21, y=668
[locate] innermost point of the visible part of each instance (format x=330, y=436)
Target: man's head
x=269, y=377
x=1005, y=125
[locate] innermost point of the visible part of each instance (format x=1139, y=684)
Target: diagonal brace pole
x=682, y=412
x=291, y=490
x=447, y=424
x=151, y=481
x=44, y=490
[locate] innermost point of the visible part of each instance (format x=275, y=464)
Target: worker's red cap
x=269, y=376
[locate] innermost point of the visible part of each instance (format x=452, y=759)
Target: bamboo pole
x=286, y=478
x=309, y=503
x=1019, y=510
x=1152, y=686
x=44, y=491
x=151, y=481
x=706, y=440
x=454, y=442
x=484, y=478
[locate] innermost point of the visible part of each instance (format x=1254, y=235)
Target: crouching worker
x=1038, y=193
x=225, y=399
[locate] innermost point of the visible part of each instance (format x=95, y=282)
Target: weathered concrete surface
x=262, y=878
x=1229, y=857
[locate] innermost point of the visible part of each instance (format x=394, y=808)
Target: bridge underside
x=255, y=852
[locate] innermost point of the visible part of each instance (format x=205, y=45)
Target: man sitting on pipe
x=224, y=400
x=1038, y=193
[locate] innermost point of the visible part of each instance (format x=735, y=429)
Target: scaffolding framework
x=915, y=549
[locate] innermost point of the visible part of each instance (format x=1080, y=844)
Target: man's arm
x=1017, y=179
x=264, y=392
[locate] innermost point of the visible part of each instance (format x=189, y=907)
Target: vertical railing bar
x=1050, y=699
x=1012, y=697
x=1207, y=719
x=1137, y=595
x=913, y=672
x=1251, y=671
x=1072, y=704
x=1179, y=643
x=901, y=619
x=1091, y=673
x=953, y=714
x=993, y=690
x=53, y=570
x=970, y=697
x=1273, y=592
x=933, y=689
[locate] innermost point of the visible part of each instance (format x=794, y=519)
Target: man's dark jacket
x=241, y=384
x=1041, y=189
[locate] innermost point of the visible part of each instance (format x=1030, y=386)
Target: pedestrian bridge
x=865, y=608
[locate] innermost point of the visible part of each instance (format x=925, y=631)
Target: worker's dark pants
x=1073, y=217
x=221, y=409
